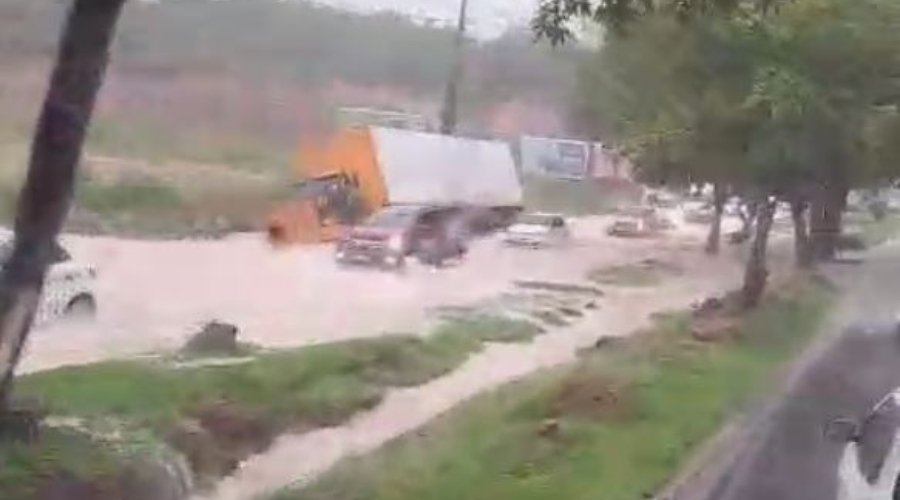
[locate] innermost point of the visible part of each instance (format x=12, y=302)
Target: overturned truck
x=360, y=170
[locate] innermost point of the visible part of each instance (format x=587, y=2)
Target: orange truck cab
x=342, y=185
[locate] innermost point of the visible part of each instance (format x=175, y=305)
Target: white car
x=68, y=287
x=538, y=231
x=870, y=465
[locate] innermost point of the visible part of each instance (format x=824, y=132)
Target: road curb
x=704, y=476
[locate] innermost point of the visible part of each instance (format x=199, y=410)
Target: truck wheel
x=81, y=307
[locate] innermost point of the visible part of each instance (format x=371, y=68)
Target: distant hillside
x=208, y=75
x=297, y=40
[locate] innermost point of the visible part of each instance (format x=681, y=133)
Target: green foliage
x=65, y=455
x=615, y=425
x=555, y=18
x=134, y=195
x=772, y=102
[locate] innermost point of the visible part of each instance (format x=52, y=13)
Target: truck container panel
x=430, y=169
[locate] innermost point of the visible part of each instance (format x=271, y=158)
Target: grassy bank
x=35, y=471
x=136, y=197
x=615, y=425
x=216, y=415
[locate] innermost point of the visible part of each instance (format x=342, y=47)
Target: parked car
x=538, y=231
x=391, y=235
x=869, y=468
x=69, y=287
x=627, y=228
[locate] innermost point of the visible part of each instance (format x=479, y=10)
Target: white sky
x=487, y=18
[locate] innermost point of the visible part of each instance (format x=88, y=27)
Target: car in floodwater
x=69, y=287
x=538, y=230
x=392, y=234
x=869, y=468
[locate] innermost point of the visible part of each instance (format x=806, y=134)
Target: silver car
x=538, y=231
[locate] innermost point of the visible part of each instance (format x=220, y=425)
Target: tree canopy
x=554, y=17
x=798, y=102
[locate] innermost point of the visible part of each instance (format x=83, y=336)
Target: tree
x=55, y=153
x=784, y=103
x=554, y=17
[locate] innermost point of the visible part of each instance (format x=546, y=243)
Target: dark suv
x=394, y=233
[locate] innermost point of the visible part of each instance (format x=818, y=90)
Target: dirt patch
x=219, y=437
x=65, y=486
x=586, y=395
x=716, y=328
x=238, y=429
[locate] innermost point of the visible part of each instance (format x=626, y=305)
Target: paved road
x=785, y=456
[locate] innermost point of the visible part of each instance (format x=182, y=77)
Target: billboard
x=557, y=158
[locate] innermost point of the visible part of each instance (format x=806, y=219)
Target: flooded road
x=152, y=295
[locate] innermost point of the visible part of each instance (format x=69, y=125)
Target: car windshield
x=535, y=220
x=391, y=219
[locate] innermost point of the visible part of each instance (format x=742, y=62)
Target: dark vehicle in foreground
x=391, y=235
x=870, y=466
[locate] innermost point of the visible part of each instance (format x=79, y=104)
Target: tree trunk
x=826, y=219
x=720, y=196
x=803, y=252
x=756, y=274
x=55, y=152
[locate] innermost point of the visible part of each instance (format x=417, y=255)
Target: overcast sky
x=487, y=18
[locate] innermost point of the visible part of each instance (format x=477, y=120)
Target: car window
x=535, y=220
x=5, y=251
x=876, y=438
x=391, y=219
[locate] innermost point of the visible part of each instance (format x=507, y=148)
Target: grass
x=231, y=191
x=157, y=142
x=26, y=471
x=135, y=195
x=271, y=393
x=615, y=425
x=318, y=385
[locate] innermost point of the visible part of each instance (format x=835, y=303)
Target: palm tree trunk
x=756, y=274
x=826, y=219
x=714, y=239
x=55, y=153
x=803, y=251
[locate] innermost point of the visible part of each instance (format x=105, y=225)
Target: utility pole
x=449, y=113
